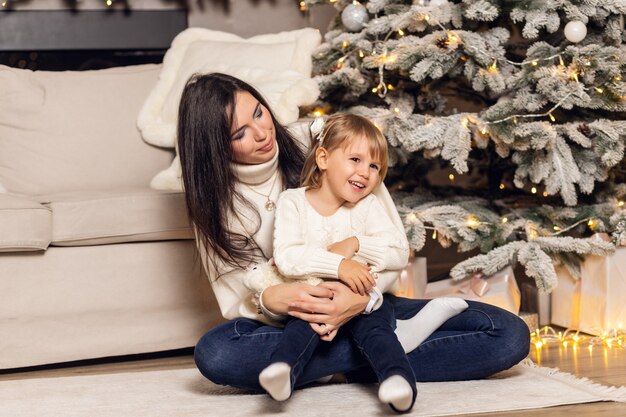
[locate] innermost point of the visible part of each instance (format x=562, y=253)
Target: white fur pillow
x=278, y=65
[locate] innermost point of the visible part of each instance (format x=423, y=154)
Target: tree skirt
x=185, y=393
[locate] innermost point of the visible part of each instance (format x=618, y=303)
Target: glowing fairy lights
x=614, y=338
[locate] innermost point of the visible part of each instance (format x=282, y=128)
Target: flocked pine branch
x=494, y=86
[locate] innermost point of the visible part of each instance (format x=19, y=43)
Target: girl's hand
x=333, y=313
x=278, y=298
x=356, y=275
x=346, y=248
x=326, y=332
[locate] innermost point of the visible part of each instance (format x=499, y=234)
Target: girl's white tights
x=412, y=332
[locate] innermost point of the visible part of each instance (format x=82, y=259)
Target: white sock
x=396, y=391
x=412, y=332
x=276, y=380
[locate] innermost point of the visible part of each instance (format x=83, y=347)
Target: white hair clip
x=317, y=129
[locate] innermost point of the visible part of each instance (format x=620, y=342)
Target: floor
x=603, y=365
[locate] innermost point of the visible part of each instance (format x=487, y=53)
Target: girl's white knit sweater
x=301, y=236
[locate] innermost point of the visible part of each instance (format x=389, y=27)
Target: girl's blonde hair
x=339, y=131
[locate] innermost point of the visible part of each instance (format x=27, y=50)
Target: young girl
x=236, y=158
x=333, y=227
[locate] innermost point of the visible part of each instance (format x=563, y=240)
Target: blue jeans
x=373, y=335
x=479, y=342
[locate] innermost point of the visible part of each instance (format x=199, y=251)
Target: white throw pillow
x=278, y=65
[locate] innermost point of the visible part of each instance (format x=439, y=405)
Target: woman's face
x=253, y=136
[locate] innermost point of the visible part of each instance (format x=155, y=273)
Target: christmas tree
x=523, y=103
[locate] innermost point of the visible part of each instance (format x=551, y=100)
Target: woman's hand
x=346, y=248
x=330, y=313
x=278, y=298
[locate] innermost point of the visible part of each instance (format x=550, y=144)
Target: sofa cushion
x=131, y=215
x=278, y=65
x=75, y=130
x=25, y=225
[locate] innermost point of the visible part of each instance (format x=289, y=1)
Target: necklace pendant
x=269, y=205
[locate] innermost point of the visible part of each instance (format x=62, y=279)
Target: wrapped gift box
x=412, y=281
x=565, y=300
x=499, y=289
x=596, y=303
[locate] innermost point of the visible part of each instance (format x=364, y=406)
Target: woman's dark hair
x=205, y=118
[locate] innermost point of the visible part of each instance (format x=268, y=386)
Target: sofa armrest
x=25, y=225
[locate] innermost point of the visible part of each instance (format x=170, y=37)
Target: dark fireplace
x=85, y=40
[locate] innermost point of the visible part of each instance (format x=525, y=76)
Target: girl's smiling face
x=253, y=135
x=350, y=173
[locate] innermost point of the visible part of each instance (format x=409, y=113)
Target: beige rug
x=185, y=393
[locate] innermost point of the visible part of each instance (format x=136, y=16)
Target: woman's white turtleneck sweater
x=257, y=182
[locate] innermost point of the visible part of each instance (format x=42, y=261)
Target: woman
x=236, y=158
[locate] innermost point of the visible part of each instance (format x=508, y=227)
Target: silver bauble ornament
x=354, y=17
x=575, y=31
x=430, y=3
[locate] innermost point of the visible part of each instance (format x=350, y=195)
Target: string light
x=612, y=339
x=620, y=203
x=434, y=234
x=592, y=224
x=533, y=190
x=504, y=220
x=451, y=177
x=411, y=218
x=502, y=186
x=494, y=67
x=472, y=222
x=453, y=39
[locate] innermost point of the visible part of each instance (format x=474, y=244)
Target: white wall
x=242, y=17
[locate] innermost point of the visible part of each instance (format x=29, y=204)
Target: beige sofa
x=93, y=262
x=96, y=253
